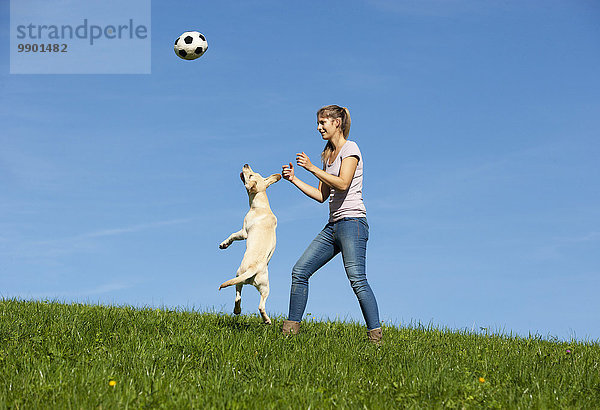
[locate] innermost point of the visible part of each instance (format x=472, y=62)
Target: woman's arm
x=341, y=182
x=319, y=194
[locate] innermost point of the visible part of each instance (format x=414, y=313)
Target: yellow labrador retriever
x=259, y=232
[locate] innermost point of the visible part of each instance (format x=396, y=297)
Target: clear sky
x=478, y=121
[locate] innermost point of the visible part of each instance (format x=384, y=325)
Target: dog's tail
x=250, y=272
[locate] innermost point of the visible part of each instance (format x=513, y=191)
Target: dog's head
x=254, y=182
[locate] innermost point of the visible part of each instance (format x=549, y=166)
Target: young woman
x=340, y=181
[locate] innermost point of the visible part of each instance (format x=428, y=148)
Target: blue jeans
x=348, y=236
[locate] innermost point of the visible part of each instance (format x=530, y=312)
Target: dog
x=259, y=232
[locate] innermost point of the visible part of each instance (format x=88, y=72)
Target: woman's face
x=327, y=127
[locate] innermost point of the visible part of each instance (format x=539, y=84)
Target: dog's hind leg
x=238, y=299
x=264, y=294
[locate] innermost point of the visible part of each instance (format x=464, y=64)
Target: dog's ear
x=272, y=179
x=251, y=186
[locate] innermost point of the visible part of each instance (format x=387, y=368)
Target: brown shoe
x=375, y=336
x=290, y=327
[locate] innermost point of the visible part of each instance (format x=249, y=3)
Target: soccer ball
x=190, y=45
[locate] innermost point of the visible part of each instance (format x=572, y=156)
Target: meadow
x=57, y=355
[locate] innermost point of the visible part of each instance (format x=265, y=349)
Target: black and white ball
x=190, y=45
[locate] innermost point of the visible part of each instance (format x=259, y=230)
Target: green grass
x=55, y=355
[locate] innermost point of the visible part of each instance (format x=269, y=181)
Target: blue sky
x=478, y=123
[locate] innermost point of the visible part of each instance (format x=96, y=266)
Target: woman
x=340, y=181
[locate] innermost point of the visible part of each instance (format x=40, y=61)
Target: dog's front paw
x=223, y=245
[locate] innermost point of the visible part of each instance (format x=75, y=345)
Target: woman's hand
x=287, y=171
x=303, y=161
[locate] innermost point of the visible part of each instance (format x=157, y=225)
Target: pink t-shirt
x=348, y=203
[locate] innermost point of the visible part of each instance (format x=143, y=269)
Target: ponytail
x=345, y=122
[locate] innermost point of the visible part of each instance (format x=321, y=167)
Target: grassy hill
x=55, y=355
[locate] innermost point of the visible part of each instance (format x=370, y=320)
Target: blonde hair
x=333, y=112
